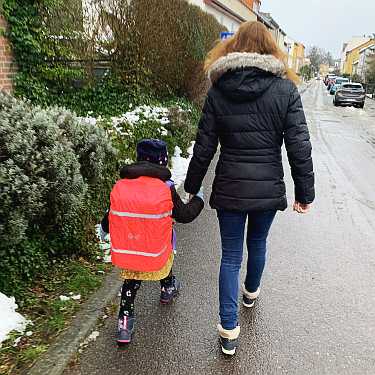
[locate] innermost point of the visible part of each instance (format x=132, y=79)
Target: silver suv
x=350, y=94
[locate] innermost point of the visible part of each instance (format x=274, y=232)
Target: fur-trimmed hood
x=245, y=76
x=240, y=60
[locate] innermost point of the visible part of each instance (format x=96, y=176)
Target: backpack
x=140, y=224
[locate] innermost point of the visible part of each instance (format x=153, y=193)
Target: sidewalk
x=301, y=322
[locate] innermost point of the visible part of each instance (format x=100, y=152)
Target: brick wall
x=7, y=66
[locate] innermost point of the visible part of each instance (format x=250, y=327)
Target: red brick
x=7, y=66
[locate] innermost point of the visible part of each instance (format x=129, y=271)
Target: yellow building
x=352, y=56
x=298, y=56
x=324, y=69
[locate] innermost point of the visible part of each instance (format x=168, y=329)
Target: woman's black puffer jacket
x=251, y=109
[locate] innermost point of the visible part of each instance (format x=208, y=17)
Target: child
x=139, y=221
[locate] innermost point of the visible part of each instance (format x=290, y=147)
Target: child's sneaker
x=168, y=293
x=125, y=330
x=248, y=299
x=228, y=339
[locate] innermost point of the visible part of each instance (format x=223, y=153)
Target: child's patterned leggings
x=129, y=292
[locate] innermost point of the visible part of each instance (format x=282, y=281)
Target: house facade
x=254, y=5
x=346, y=53
x=298, y=56
x=230, y=13
x=352, y=57
x=278, y=33
x=366, y=54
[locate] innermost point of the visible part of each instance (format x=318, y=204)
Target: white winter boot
x=228, y=339
x=248, y=299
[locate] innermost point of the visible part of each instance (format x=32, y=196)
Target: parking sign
x=225, y=35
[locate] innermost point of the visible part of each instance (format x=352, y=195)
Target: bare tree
x=319, y=56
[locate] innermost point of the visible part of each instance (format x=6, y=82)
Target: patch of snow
x=128, y=161
x=139, y=115
x=71, y=297
x=92, y=337
x=163, y=131
x=180, y=165
x=10, y=319
x=64, y=298
x=89, y=120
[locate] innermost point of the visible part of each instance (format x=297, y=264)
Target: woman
x=252, y=107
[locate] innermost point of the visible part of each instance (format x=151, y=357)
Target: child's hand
x=200, y=194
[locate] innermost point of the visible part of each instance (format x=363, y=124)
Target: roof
x=371, y=46
x=271, y=21
x=355, y=43
x=265, y=20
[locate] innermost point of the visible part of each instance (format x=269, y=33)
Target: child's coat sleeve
x=105, y=222
x=185, y=212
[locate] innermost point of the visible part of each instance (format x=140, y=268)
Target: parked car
x=338, y=82
x=350, y=94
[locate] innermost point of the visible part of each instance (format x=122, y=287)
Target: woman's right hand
x=301, y=208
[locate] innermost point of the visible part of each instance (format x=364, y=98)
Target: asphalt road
x=316, y=313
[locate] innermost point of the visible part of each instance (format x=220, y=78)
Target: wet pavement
x=316, y=312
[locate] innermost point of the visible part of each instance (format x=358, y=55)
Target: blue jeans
x=232, y=229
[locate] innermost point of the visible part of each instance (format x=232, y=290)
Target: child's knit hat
x=152, y=150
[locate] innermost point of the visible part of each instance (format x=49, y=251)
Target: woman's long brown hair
x=252, y=37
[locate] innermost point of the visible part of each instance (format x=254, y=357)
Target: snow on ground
x=92, y=337
x=10, y=319
x=71, y=296
x=180, y=165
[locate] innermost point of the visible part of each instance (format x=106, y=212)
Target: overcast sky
x=325, y=23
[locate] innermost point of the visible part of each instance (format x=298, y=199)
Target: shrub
x=181, y=36
x=55, y=174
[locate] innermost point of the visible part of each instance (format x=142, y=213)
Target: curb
x=59, y=354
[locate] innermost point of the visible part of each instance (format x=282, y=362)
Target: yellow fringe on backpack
x=149, y=276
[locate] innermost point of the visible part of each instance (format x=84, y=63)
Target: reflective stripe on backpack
x=139, y=253
x=141, y=216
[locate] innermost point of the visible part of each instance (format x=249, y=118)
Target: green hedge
x=175, y=42
x=55, y=175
